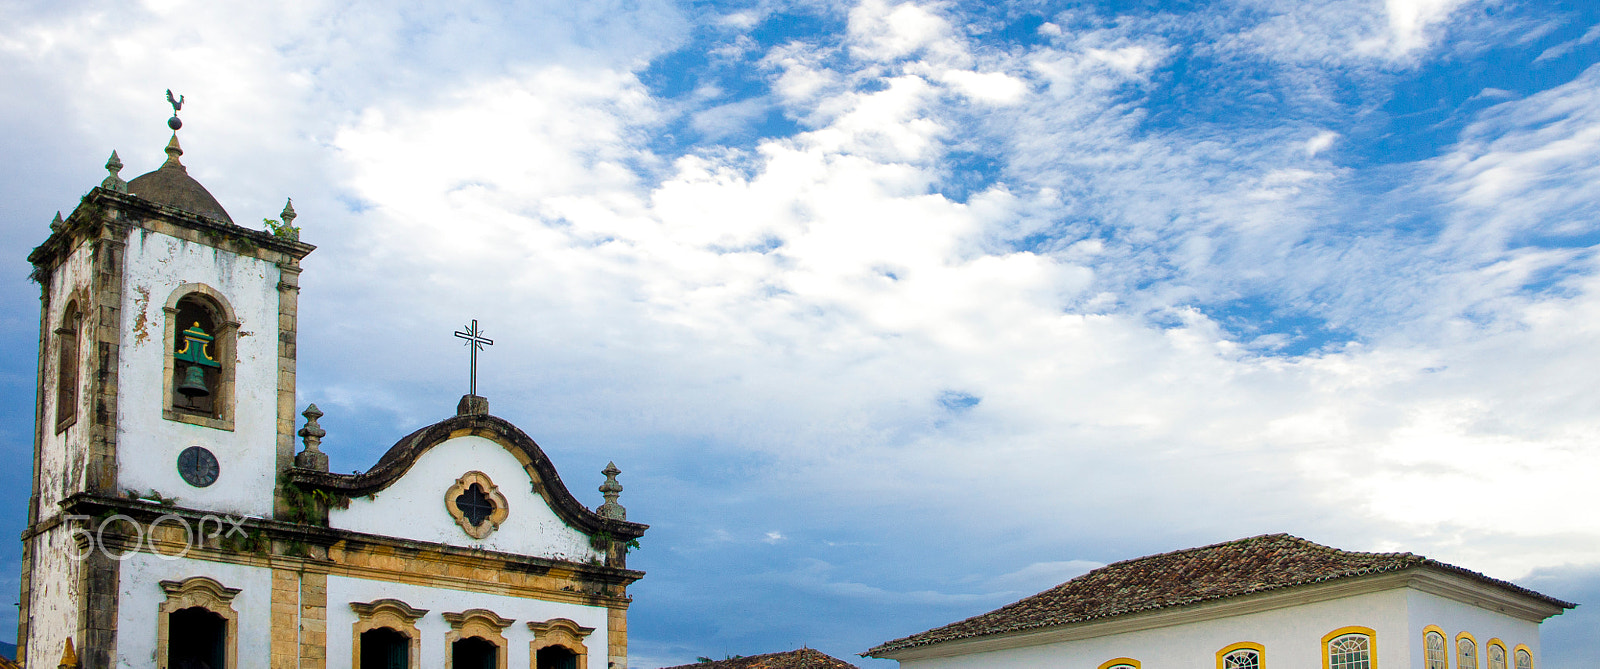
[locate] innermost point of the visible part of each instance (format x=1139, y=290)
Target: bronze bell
x=194, y=383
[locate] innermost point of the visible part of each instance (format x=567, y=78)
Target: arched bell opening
x=201, y=336
x=198, y=368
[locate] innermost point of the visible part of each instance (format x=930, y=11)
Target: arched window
x=68, y=346
x=1348, y=648
x=1466, y=652
x=1243, y=655
x=1436, y=655
x=1524, y=658
x=558, y=644
x=474, y=653
x=200, y=357
x=476, y=640
x=385, y=635
x=384, y=648
x=1121, y=663
x=1242, y=659
x=555, y=657
x=1497, y=654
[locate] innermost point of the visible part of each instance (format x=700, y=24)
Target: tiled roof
x=804, y=658
x=1190, y=576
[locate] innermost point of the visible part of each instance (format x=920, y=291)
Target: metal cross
x=475, y=341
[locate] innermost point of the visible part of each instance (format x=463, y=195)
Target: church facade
x=183, y=515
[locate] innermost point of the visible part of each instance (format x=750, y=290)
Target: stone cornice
x=134, y=211
x=330, y=544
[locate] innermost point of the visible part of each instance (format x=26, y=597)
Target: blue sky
x=892, y=313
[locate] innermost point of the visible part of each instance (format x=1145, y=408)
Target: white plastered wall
x=1455, y=617
x=53, y=612
x=139, y=598
x=63, y=457
x=413, y=507
x=62, y=471
x=432, y=627
x=148, y=444
x=1292, y=637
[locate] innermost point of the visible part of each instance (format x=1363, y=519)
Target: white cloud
x=991, y=87
x=1321, y=142
x=883, y=32
x=1589, y=36
x=1351, y=32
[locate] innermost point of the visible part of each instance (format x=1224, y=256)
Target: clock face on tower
x=198, y=466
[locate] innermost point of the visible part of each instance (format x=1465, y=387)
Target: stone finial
x=57, y=224
x=611, y=489
x=114, y=182
x=288, y=214
x=173, y=151
x=312, y=434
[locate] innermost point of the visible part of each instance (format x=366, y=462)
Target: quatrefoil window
x=476, y=504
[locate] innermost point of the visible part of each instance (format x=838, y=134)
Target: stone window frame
x=481, y=623
x=562, y=632
x=203, y=592
x=69, y=355
x=393, y=614
x=224, y=349
x=502, y=510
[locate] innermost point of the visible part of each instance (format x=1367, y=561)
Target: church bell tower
x=166, y=374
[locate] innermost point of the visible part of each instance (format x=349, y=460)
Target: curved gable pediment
x=541, y=473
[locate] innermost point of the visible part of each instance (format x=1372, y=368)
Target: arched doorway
x=197, y=639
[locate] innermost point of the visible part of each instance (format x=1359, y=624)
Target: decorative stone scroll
x=559, y=632
x=476, y=488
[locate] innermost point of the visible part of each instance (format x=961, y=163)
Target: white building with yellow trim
x=1273, y=600
x=172, y=524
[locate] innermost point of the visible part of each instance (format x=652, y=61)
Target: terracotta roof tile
x=804, y=658
x=1189, y=576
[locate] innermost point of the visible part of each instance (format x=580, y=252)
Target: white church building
x=172, y=523
x=1269, y=601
